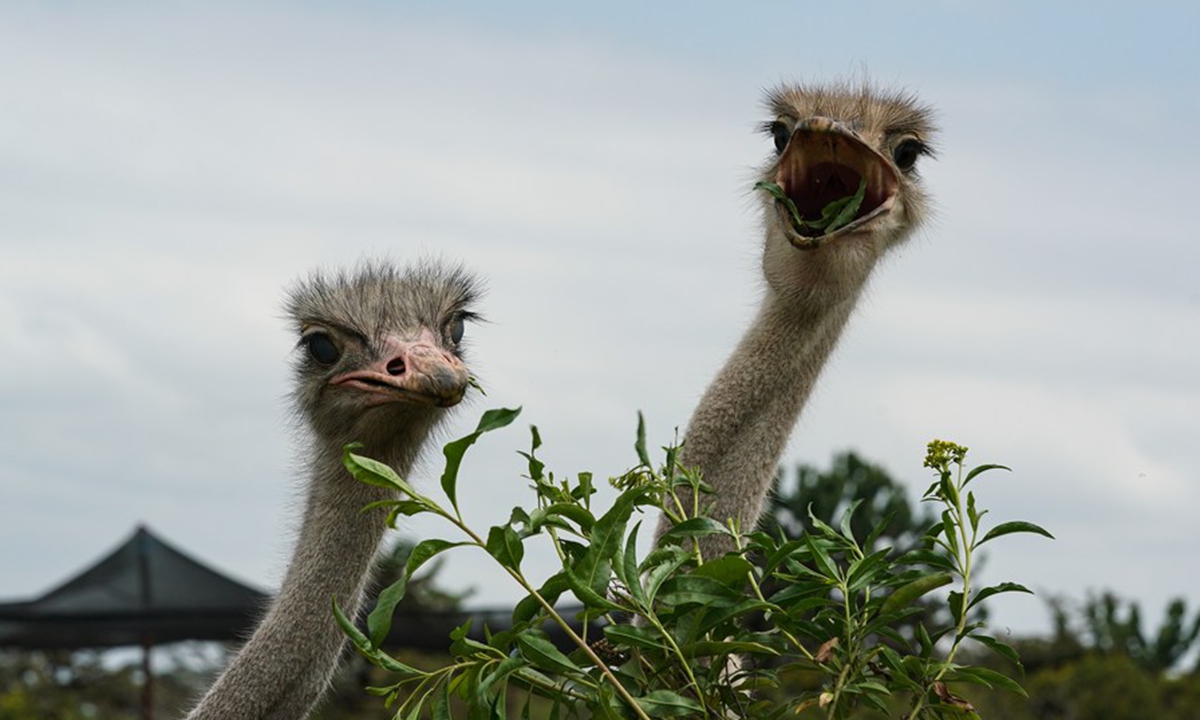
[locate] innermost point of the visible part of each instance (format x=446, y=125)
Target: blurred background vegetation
x=1101, y=660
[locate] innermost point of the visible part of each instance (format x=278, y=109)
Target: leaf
x=629, y=568
x=834, y=215
x=907, y=594
x=588, y=595
x=415, y=712
x=987, y=592
x=425, y=551
x=504, y=545
x=640, y=444
x=862, y=572
x=955, y=601
x=535, y=466
x=848, y=210
x=504, y=668
x=352, y=632
x=950, y=532
x=987, y=678
x=379, y=622
x=463, y=644
x=982, y=469
x=718, y=616
x=794, y=591
x=879, y=529
x=730, y=571
x=828, y=568
x=926, y=557
x=407, y=508
x=634, y=636
x=550, y=591
x=844, y=525
x=776, y=191
x=694, y=527
x=576, y=513
x=440, y=709
x=925, y=641
x=364, y=647
x=595, y=567
x=659, y=566
x=872, y=697
x=1015, y=526
x=454, y=451
x=948, y=491
x=779, y=554
x=821, y=525
x=1001, y=649
x=667, y=703
x=697, y=590
x=542, y=653
x=373, y=472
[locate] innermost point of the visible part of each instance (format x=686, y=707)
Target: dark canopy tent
x=143, y=593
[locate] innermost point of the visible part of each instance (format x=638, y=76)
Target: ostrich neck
x=285, y=666
x=738, y=431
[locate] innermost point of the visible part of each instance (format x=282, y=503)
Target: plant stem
x=687, y=668
x=537, y=683
x=566, y=627
x=965, y=553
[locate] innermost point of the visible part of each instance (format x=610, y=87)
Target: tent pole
x=147, y=682
x=143, y=559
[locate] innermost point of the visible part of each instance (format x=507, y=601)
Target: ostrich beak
x=825, y=162
x=410, y=371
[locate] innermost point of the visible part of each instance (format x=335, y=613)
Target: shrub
x=674, y=640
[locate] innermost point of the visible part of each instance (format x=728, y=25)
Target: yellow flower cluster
x=941, y=453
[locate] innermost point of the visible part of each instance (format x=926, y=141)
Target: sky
x=167, y=170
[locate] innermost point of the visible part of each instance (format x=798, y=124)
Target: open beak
x=824, y=163
x=411, y=372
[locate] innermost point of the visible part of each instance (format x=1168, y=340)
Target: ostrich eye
x=782, y=135
x=906, y=153
x=322, y=348
x=456, y=330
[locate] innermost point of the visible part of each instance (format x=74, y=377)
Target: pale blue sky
x=166, y=170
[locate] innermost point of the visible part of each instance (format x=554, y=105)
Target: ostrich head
x=380, y=351
x=829, y=142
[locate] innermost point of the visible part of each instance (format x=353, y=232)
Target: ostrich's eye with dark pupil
x=457, y=329
x=906, y=153
x=322, y=348
x=782, y=135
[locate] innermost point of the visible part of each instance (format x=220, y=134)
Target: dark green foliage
x=1095, y=687
x=710, y=636
x=1111, y=630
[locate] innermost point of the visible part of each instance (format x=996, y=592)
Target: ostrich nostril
x=396, y=367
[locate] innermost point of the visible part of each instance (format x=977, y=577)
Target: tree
x=827, y=494
x=1111, y=631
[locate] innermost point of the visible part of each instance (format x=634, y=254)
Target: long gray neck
x=288, y=662
x=738, y=431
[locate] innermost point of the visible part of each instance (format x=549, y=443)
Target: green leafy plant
x=676, y=638
x=837, y=214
